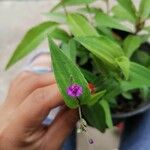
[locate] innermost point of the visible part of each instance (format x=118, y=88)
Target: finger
x=25, y=84
x=61, y=128
x=37, y=106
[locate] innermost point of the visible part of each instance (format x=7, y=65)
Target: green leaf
x=104, y=104
x=139, y=77
x=77, y=2
x=71, y=2
x=131, y=44
x=70, y=50
x=145, y=93
x=80, y=26
x=127, y=95
x=60, y=35
x=90, y=77
x=129, y=7
x=100, y=66
x=95, y=116
x=124, y=64
x=31, y=40
x=142, y=58
x=144, y=10
x=122, y=14
x=58, y=17
x=108, y=21
x=91, y=10
x=96, y=97
x=64, y=70
x=102, y=47
x=106, y=32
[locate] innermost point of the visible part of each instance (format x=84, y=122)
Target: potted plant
x=100, y=53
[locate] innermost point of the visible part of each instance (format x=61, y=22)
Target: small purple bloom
x=91, y=141
x=74, y=90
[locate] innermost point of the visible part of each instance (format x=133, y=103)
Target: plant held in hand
x=98, y=48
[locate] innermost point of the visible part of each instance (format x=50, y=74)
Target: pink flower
x=91, y=141
x=75, y=90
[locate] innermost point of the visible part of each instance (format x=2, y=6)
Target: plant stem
x=107, y=6
x=89, y=13
x=80, y=112
x=88, y=8
x=139, y=26
x=65, y=10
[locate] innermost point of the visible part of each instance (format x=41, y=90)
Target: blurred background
x=16, y=17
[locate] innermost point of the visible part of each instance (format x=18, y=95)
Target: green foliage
x=104, y=104
x=107, y=21
x=60, y=35
x=95, y=116
x=144, y=10
x=123, y=14
x=102, y=47
x=64, y=70
x=129, y=7
x=71, y=2
x=31, y=40
x=90, y=77
x=124, y=64
x=97, y=48
x=69, y=50
x=98, y=115
x=95, y=97
x=57, y=17
x=131, y=44
x=142, y=58
x=138, y=78
x=79, y=26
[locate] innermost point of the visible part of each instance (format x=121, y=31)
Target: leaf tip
x=8, y=65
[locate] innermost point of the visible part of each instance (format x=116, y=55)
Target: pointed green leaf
x=80, y=26
x=102, y=47
x=139, y=77
x=144, y=10
x=106, y=32
x=85, y=10
x=108, y=21
x=129, y=7
x=31, y=40
x=127, y=95
x=131, y=44
x=104, y=104
x=64, y=70
x=71, y=2
x=95, y=116
x=143, y=58
x=69, y=50
x=58, y=17
x=90, y=77
x=124, y=64
x=76, y=2
x=95, y=97
x=60, y=35
x=122, y=14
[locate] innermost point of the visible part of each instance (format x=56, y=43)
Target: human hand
x=30, y=98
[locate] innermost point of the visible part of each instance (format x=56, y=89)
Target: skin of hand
x=30, y=98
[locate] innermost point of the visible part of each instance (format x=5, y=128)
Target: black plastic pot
x=122, y=116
